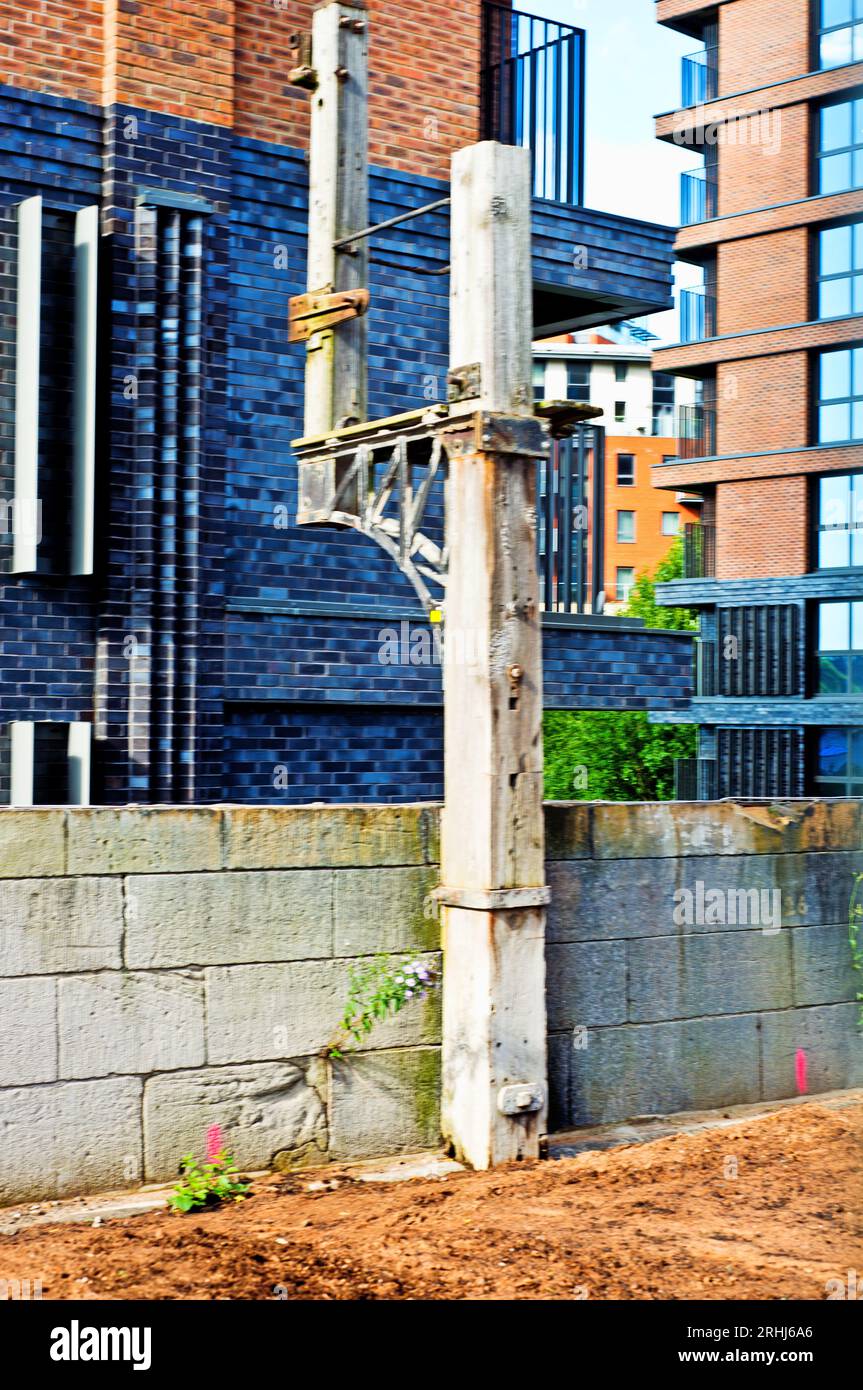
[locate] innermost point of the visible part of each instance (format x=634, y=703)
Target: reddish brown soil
x=652, y=1221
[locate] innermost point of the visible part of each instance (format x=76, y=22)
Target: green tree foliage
x=611, y=755
x=642, y=599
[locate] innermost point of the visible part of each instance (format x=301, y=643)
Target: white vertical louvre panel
x=79, y=764
x=28, y=326
x=22, y=741
x=84, y=427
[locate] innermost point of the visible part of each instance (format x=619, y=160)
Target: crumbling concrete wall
x=162, y=970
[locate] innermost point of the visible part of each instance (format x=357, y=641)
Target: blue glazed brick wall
x=298, y=753
x=47, y=625
x=308, y=690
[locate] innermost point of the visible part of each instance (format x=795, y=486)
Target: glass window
x=670, y=523
x=578, y=381
x=626, y=527
x=839, y=762
x=840, y=271
x=626, y=470
x=840, y=648
x=840, y=396
x=840, y=522
x=620, y=371
x=625, y=582
x=539, y=381
x=840, y=146
x=840, y=32
x=619, y=412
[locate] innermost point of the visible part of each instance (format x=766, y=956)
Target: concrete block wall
x=162, y=970
x=649, y=1013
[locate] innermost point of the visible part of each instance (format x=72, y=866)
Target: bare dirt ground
x=663, y=1220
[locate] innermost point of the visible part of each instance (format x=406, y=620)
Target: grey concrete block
x=831, y=1040
x=311, y=837
x=823, y=971
x=559, y=1048
x=617, y=898
x=263, y=1111
x=693, y=1064
x=28, y=1033
x=222, y=919
x=115, y=1023
x=32, y=843
x=585, y=984
x=677, y=828
x=722, y=973
x=69, y=1138
x=568, y=830
x=386, y=1103
x=262, y=1012
x=385, y=910
x=54, y=925
x=140, y=840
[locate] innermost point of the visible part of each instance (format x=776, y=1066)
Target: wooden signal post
x=493, y=892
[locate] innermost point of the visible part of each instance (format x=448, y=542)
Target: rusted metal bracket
x=310, y=313
x=464, y=383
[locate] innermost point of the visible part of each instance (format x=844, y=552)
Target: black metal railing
x=699, y=550
x=696, y=430
x=533, y=95
x=697, y=315
x=706, y=673
x=700, y=76
x=699, y=196
x=571, y=528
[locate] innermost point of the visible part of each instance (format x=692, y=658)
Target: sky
x=633, y=74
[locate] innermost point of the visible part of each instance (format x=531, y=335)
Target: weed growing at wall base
x=855, y=913
x=380, y=989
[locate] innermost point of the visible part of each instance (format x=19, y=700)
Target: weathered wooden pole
x=337, y=358
x=493, y=870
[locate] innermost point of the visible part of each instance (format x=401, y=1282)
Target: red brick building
x=773, y=102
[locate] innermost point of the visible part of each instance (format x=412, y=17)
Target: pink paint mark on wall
x=800, y=1071
x=214, y=1142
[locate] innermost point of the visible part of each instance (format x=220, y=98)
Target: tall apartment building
x=167, y=633
x=773, y=101
x=611, y=369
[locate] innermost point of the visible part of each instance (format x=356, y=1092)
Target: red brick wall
x=763, y=282
x=175, y=56
x=768, y=164
x=424, y=101
x=762, y=41
x=763, y=404
x=53, y=46
x=761, y=528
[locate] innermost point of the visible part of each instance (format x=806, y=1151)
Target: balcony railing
x=695, y=779
x=698, y=196
x=696, y=429
x=701, y=77
x=699, y=550
x=697, y=315
x=533, y=95
x=571, y=532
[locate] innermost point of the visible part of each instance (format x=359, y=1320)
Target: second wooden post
x=493, y=869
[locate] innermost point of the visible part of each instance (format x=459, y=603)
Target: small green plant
x=207, y=1184
x=855, y=914
x=377, y=990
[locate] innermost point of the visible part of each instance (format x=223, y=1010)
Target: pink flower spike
x=800, y=1070
x=214, y=1142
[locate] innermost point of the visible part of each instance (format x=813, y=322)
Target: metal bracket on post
x=311, y=313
